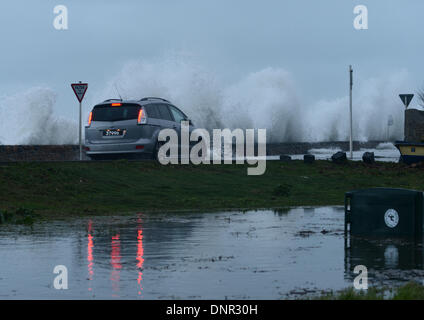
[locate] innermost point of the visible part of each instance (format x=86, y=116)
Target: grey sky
x=314, y=40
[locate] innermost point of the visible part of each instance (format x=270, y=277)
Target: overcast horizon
x=313, y=42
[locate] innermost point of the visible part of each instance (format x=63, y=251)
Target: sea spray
x=29, y=118
x=267, y=99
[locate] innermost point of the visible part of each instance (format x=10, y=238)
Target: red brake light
x=90, y=117
x=141, y=117
x=116, y=104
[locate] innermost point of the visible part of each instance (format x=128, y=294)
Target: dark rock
x=368, y=157
x=284, y=157
x=339, y=157
x=308, y=158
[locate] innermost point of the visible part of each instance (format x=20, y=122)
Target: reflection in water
x=115, y=260
x=281, y=211
x=198, y=256
x=391, y=256
x=90, y=247
x=385, y=259
x=309, y=210
x=140, y=254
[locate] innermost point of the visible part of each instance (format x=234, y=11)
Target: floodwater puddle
x=262, y=254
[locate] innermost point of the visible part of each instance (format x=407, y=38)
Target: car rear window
x=152, y=111
x=106, y=112
x=178, y=115
x=164, y=112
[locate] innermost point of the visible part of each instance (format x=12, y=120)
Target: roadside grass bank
x=409, y=291
x=120, y=186
x=18, y=216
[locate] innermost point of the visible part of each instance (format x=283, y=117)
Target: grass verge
x=409, y=291
x=122, y=186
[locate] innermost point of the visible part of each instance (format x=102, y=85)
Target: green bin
x=384, y=212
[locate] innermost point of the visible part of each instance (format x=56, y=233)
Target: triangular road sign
x=406, y=99
x=79, y=90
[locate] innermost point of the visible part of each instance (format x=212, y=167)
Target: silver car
x=130, y=127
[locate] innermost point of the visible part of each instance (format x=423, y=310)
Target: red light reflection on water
x=115, y=260
x=140, y=259
x=90, y=246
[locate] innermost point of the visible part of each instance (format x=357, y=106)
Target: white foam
x=386, y=146
x=265, y=99
x=28, y=118
x=324, y=150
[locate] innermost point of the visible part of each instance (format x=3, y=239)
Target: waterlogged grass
x=18, y=216
x=122, y=186
x=409, y=291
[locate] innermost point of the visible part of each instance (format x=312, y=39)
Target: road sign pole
x=80, y=131
x=79, y=90
x=350, y=110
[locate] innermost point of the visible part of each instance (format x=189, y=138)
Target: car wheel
x=95, y=157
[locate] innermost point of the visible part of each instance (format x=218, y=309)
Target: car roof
x=141, y=102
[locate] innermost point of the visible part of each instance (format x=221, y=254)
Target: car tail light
x=139, y=147
x=141, y=117
x=90, y=117
x=116, y=104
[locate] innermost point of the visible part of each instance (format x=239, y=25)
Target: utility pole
x=350, y=109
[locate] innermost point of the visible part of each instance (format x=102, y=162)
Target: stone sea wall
x=39, y=153
x=71, y=152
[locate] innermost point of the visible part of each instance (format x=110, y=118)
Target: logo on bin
x=391, y=218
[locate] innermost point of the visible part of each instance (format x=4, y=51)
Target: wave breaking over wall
x=267, y=99
x=29, y=118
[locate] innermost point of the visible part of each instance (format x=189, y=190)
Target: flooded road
x=227, y=255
